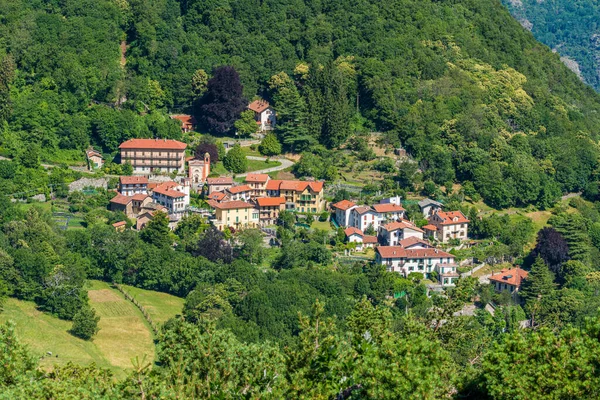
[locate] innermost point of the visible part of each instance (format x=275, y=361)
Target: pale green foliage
x=246, y=125
x=235, y=160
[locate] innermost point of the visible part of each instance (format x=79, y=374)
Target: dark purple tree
x=207, y=147
x=552, y=248
x=223, y=101
x=213, y=246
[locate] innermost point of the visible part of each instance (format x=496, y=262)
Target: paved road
x=285, y=163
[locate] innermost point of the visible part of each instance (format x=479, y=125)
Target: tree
x=223, y=102
x=246, y=125
x=85, y=323
x=127, y=168
x=206, y=146
x=270, y=146
x=157, y=231
x=7, y=70
x=199, y=83
x=212, y=245
x=235, y=160
x=252, y=243
x=552, y=248
x=15, y=361
x=30, y=157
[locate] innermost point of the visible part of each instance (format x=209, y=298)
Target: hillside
x=567, y=26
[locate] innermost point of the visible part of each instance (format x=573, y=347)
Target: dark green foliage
x=157, y=231
x=235, y=160
x=85, y=323
x=270, y=146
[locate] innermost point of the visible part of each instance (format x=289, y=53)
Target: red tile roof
x=363, y=209
x=120, y=223
x=120, y=199
x=159, y=144
x=166, y=189
x=452, y=217
x=343, y=205
x=392, y=226
x=132, y=180
x=369, y=239
x=401, y=252
x=430, y=227
x=270, y=201
x=218, y=196
x=222, y=180
x=188, y=120
x=413, y=240
x=257, y=178
x=513, y=276
x=140, y=197
x=239, y=189
x=230, y=205
x=258, y=105
x=353, y=231
x=273, y=184
x=389, y=207
x=298, y=186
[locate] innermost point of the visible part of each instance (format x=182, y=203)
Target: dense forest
x=460, y=84
x=568, y=26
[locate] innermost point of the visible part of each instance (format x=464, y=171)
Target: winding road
x=285, y=163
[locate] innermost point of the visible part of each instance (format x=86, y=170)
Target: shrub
x=85, y=323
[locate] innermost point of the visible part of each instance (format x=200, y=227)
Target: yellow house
x=236, y=214
x=300, y=196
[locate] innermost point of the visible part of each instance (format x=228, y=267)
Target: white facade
x=133, y=188
x=361, y=219
x=424, y=261
x=394, y=236
x=267, y=119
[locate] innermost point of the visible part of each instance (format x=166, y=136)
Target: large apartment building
x=154, y=155
x=300, y=196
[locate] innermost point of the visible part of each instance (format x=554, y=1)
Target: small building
x=258, y=182
x=130, y=185
x=413, y=242
x=362, y=217
x=341, y=211
x=236, y=214
x=188, y=122
x=300, y=196
x=429, y=207
x=94, y=159
x=154, y=155
x=198, y=170
x=241, y=192
x=389, y=211
x=430, y=231
x=450, y=225
x=508, y=280
x=269, y=209
x=264, y=115
x=120, y=226
x=354, y=235
x=393, y=233
x=175, y=197
x=217, y=196
x=219, y=184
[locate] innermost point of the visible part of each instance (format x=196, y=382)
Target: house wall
x=267, y=119
x=218, y=188
x=406, y=266
x=131, y=189
x=154, y=160
x=237, y=218
x=458, y=231
x=429, y=210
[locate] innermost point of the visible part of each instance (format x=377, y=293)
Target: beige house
x=130, y=205
x=241, y=192
x=264, y=115
x=130, y=185
x=269, y=209
x=219, y=184
x=235, y=213
x=508, y=280
x=154, y=155
x=450, y=225
x=94, y=158
x=258, y=183
x=300, y=196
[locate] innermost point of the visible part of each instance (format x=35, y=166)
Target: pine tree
x=539, y=284
x=336, y=119
x=7, y=69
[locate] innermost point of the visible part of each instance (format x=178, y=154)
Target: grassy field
x=255, y=165
x=160, y=306
x=123, y=335
x=324, y=226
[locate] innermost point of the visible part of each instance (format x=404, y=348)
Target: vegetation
x=235, y=160
x=85, y=323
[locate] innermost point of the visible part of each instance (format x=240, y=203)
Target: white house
x=354, y=235
x=363, y=216
x=130, y=185
x=174, y=196
x=429, y=207
x=450, y=225
x=263, y=114
x=414, y=242
x=341, y=211
x=389, y=211
x=391, y=234
x=241, y=192
x=424, y=261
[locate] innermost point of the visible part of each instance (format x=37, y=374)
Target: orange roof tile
x=159, y=144
x=239, y=189
x=353, y=231
x=218, y=196
x=221, y=180
x=257, y=178
x=430, y=227
x=343, y=205
x=140, y=197
x=258, y=105
x=369, y=239
x=120, y=223
x=363, y=210
x=401, y=252
x=185, y=119
x=120, y=199
x=273, y=184
x=388, y=207
x=270, y=201
x=513, y=276
x=166, y=189
x=230, y=205
x=392, y=226
x=132, y=180
x=452, y=217
x=413, y=240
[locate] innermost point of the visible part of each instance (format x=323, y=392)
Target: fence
x=130, y=298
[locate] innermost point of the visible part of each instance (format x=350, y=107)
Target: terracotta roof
x=369, y=239
x=218, y=196
x=132, y=180
x=363, y=210
x=298, y=186
x=185, y=119
x=343, y=205
x=401, y=252
x=166, y=189
x=222, y=180
x=513, y=276
x=159, y=144
x=270, y=201
x=239, y=189
x=386, y=208
x=413, y=240
x=257, y=178
x=230, y=205
x=273, y=184
x=452, y=217
x=92, y=152
x=258, y=105
x=140, y=197
x=392, y=226
x=120, y=199
x=430, y=227
x=120, y=223
x=353, y=231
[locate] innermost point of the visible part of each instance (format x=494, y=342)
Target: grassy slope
x=123, y=335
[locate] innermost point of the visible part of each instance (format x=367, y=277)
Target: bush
x=323, y=217
x=85, y=323
x=270, y=146
x=235, y=160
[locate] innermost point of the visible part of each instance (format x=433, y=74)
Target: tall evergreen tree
x=7, y=69
x=223, y=101
x=336, y=118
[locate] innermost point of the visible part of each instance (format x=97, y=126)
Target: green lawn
x=324, y=226
x=160, y=306
x=124, y=333
x=255, y=165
